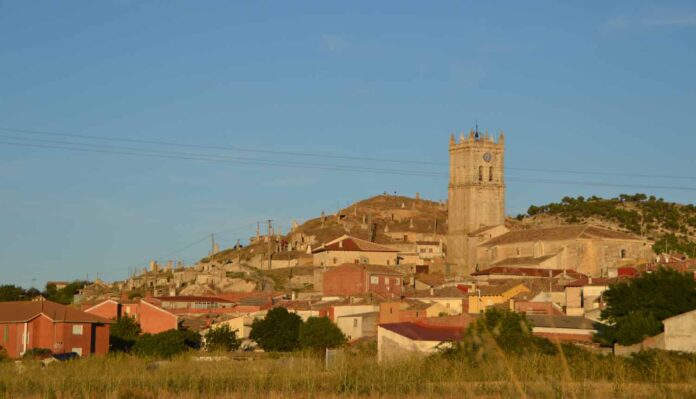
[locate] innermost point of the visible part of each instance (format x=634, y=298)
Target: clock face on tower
x=487, y=157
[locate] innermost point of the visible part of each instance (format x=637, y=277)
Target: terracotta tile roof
x=559, y=234
x=528, y=272
x=420, y=332
x=347, y=243
x=192, y=298
x=585, y=282
x=480, y=230
x=26, y=310
x=432, y=280
x=522, y=260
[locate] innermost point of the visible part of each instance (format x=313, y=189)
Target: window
x=355, y=322
x=490, y=174
x=374, y=280
x=623, y=254
x=77, y=329
x=480, y=173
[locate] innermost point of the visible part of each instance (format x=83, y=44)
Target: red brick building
x=49, y=325
x=152, y=318
x=358, y=279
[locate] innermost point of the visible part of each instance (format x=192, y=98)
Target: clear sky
x=583, y=86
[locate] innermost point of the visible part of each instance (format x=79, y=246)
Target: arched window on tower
x=490, y=174
x=480, y=173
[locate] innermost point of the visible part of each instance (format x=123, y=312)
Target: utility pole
x=270, y=237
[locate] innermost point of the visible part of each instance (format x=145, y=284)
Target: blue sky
x=584, y=86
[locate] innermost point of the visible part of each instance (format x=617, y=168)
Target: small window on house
x=335, y=260
x=623, y=254
x=355, y=322
x=374, y=280
x=480, y=173
x=77, y=329
x=490, y=174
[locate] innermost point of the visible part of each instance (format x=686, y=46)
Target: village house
x=482, y=297
x=346, y=249
x=429, y=249
x=352, y=279
x=679, y=335
x=560, y=328
x=398, y=340
x=49, y=325
x=150, y=317
x=357, y=326
x=584, y=296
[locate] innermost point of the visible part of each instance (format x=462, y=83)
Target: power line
x=91, y=148
x=332, y=156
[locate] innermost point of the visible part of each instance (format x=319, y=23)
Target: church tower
x=476, y=194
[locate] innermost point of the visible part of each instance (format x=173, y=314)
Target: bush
x=166, y=344
x=319, y=333
x=499, y=331
x=124, y=334
x=36, y=353
x=278, y=332
x=221, y=339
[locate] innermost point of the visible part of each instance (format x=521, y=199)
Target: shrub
x=278, y=332
x=499, y=331
x=319, y=333
x=124, y=334
x=166, y=344
x=36, y=353
x=221, y=339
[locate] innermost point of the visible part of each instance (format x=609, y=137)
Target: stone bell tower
x=476, y=194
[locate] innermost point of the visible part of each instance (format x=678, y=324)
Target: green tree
x=221, y=339
x=66, y=294
x=319, y=333
x=278, y=332
x=166, y=344
x=124, y=334
x=636, y=308
x=11, y=293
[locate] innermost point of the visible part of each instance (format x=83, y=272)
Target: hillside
x=394, y=220
x=672, y=226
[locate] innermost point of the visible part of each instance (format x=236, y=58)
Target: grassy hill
x=672, y=226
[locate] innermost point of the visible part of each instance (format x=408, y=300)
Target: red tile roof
x=191, y=298
x=27, y=310
x=560, y=233
x=348, y=243
x=420, y=332
x=527, y=272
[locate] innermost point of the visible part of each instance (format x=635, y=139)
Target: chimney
x=340, y=244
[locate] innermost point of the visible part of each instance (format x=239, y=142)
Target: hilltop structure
x=476, y=195
x=478, y=237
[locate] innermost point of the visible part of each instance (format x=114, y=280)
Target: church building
x=478, y=238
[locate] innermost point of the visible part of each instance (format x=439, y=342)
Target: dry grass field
x=305, y=376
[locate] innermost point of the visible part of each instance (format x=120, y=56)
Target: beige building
x=476, y=195
x=346, y=249
x=586, y=249
x=478, y=239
